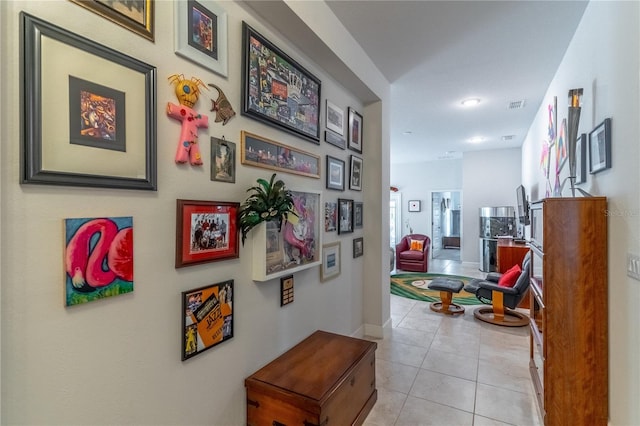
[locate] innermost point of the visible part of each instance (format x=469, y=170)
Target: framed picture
x=286, y=290
x=357, y=214
x=268, y=154
x=335, y=173
x=355, y=130
x=207, y=317
x=296, y=246
x=334, y=139
x=71, y=144
x=223, y=160
x=581, y=159
x=200, y=34
x=330, y=261
x=358, y=247
x=277, y=90
x=98, y=258
x=136, y=16
x=600, y=147
x=206, y=231
x=345, y=216
x=414, y=205
x=355, y=175
x=330, y=216
x=335, y=118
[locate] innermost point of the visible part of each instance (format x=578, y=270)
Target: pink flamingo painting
x=99, y=253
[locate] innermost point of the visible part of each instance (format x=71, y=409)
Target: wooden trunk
x=327, y=379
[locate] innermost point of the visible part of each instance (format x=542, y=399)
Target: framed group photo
x=207, y=317
x=345, y=216
x=355, y=131
x=277, y=90
x=600, y=147
x=89, y=139
x=335, y=173
x=201, y=34
x=330, y=267
x=206, y=231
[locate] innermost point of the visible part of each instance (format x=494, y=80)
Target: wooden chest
x=327, y=379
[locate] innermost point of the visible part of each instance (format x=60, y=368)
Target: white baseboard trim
x=376, y=331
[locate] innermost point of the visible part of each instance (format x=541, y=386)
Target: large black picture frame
x=268, y=92
x=47, y=155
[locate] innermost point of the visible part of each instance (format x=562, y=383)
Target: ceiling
x=437, y=53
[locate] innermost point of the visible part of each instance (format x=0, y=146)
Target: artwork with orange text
x=207, y=317
x=98, y=258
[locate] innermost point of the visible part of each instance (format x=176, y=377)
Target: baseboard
x=376, y=331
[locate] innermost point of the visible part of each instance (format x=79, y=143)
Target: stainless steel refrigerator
x=494, y=222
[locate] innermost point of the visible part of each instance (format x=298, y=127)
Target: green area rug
x=415, y=286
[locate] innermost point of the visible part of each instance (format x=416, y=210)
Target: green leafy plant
x=269, y=201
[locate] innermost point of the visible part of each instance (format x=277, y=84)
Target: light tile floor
x=435, y=369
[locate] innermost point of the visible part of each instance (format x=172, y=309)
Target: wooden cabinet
x=569, y=317
x=327, y=379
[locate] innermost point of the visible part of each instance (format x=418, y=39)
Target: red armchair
x=416, y=258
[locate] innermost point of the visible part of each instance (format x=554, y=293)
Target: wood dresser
x=327, y=379
x=569, y=316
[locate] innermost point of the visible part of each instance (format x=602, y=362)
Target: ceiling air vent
x=516, y=104
x=508, y=138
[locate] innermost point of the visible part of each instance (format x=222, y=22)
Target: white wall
x=603, y=59
x=117, y=361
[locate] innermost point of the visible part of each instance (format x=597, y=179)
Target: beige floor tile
x=395, y=377
x=505, y=405
x=484, y=421
x=506, y=376
x=409, y=336
x=463, y=344
x=387, y=408
x=456, y=365
x=420, y=322
x=401, y=353
x=418, y=412
x=444, y=389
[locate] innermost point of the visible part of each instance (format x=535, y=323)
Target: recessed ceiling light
x=470, y=102
x=476, y=139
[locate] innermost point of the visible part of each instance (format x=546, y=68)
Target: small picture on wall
x=358, y=247
x=330, y=216
x=345, y=216
x=358, y=212
x=223, y=161
x=414, y=205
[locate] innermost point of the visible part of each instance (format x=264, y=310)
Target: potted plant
x=270, y=201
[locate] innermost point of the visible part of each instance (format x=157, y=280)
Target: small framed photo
x=200, y=34
x=355, y=175
x=330, y=216
x=345, y=216
x=335, y=173
x=286, y=290
x=223, y=160
x=358, y=247
x=600, y=147
x=206, y=231
x=357, y=214
x=330, y=261
x=207, y=317
x=355, y=131
x=335, y=118
x=414, y=205
x=581, y=159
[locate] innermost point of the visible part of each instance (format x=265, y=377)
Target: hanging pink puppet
x=187, y=92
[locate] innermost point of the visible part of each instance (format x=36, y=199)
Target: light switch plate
x=633, y=266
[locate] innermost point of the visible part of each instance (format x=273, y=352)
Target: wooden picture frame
x=414, y=205
x=48, y=155
x=137, y=16
x=200, y=34
x=581, y=159
x=355, y=173
x=331, y=261
x=345, y=216
x=330, y=216
x=334, y=118
x=206, y=231
x=223, y=160
x=335, y=173
x=358, y=213
x=355, y=131
x=265, y=153
x=207, y=318
x=295, y=247
x=358, y=247
x=277, y=90
x=600, y=147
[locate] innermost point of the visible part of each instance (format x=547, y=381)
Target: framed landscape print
x=355, y=131
x=355, y=175
x=277, y=90
x=335, y=173
x=136, y=16
x=207, y=317
x=201, y=34
x=330, y=267
x=89, y=139
x=335, y=118
x=223, y=160
x=206, y=231
x=345, y=216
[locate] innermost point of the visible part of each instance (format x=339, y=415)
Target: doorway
x=446, y=208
